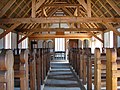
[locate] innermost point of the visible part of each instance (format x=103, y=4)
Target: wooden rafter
x=24, y=37
x=114, y=6
x=67, y=11
x=39, y=4
x=6, y=7
x=13, y=10
x=59, y=19
x=82, y=2
x=111, y=28
x=96, y=36
x=9, y=30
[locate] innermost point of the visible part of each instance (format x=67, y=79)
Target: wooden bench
x=32, y=70
x=6, y=70
x=112, y=66
x=21, y=69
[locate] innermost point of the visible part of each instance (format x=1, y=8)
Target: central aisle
x=61, y=77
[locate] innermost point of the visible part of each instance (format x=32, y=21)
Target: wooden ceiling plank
x=18, y=5
x=9, y=30
x=114, y=6
x=24, y=8
x=106, y=8
x=6, y=7
x=59, y=19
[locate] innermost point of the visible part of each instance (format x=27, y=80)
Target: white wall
x=8, y=41
x=108, y=39
x=14, y=41
x=95, y=43
x=118, y=39
x=1, y=40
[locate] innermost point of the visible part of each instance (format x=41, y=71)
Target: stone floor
x=61, y=77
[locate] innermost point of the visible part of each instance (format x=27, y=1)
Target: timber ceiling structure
x=85, y=18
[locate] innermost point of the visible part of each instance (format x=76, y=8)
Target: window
x=59, y=44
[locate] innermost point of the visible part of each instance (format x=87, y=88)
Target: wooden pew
x=112, y=72
x=110, y=63
x=6, y=70
x=32, y=70
x=21, y=69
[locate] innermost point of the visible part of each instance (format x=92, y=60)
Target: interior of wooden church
x=59, y=44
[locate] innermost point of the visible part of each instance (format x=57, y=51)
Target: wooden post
x=6, y=70
x=97, y=70
x=111, y=66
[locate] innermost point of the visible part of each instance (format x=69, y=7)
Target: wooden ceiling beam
x=9, y=30
x=24, y=37
x=59, y=19
x=6, y=7
x=60, y=29
x=96, y=36
x=111, y=28
x=38, y=36
x=114, y=6
x=61, y=5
